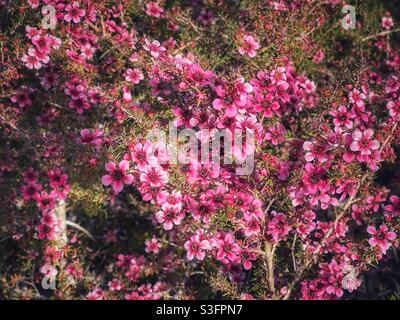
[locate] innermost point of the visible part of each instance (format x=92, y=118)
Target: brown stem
x=269, y=249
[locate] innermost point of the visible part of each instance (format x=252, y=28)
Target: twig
x=380, y=34
x=80, y=228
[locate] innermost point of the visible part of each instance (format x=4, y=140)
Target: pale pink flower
x=387, y=23
x=249, y=46
x=363, y=142
x=134, y=75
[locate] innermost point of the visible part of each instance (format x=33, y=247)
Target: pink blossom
x=152, y=245
x=154, y=10
x=357, y=97
x=249, y=46
x=88, y=137
x=154, y=47
x=381, y=237
x=387, y=23
x=195, y=248
x=278, y=227
x=154, y=176
x=315, y=151
x=74, y=12
x=228, y=249
x=363, y=143
x=133, y=75
x=170, y=216
x=343, y=117
x=117, y=175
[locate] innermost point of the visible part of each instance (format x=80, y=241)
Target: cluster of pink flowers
x=130, y=288
x=38, y=53
x=46, y=201
x=310, y=210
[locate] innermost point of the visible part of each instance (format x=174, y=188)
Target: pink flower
x=348, y=188
x=276, y=134
x=394, y=207
x=57, y=178
x=387, y=23
x=204, y=172
x=342, y=117
x=33, y=3
x=247, y=258
x=80, y=104
x=381, y=237
x=31, y=190
x=170, y=216
x=154, y=10
x=152, y=245
x=31, y=61
x=88, y=137
x=87, y=51
x=228, y=249
x=278, y=227
x=357, y=97
x=74, y=12
x=154, y=176
x=316, y=150
x=154, y=47
x=195, y=248
x=133, y=75
x=142, y=155
x=42, y=43
x=96, y=294
x=117, y=176
x=46, y=201
x=164, y=198
x=319, y=56
x=22, y=97
x=363, y=143
x=249, y=46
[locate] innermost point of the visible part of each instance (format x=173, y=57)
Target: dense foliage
x=94, y=208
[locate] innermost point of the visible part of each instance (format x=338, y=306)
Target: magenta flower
x=154, y=176
x=88, y=137
x=387, y=23
x=142, y=155
x=152, y=245
x=154, y=47
x=381, y=237
x=342, y=117
x=357, y=97
x=31, y=60
x=278, y=227
x=195, y=248
x=74, y=12
x=133, y=75
x=31, y=190
x=228, y=249
x=170, y=216
x=363, y=142
x=117, y=176
x=249, y=46
x=315, y=150
x=154, y=10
